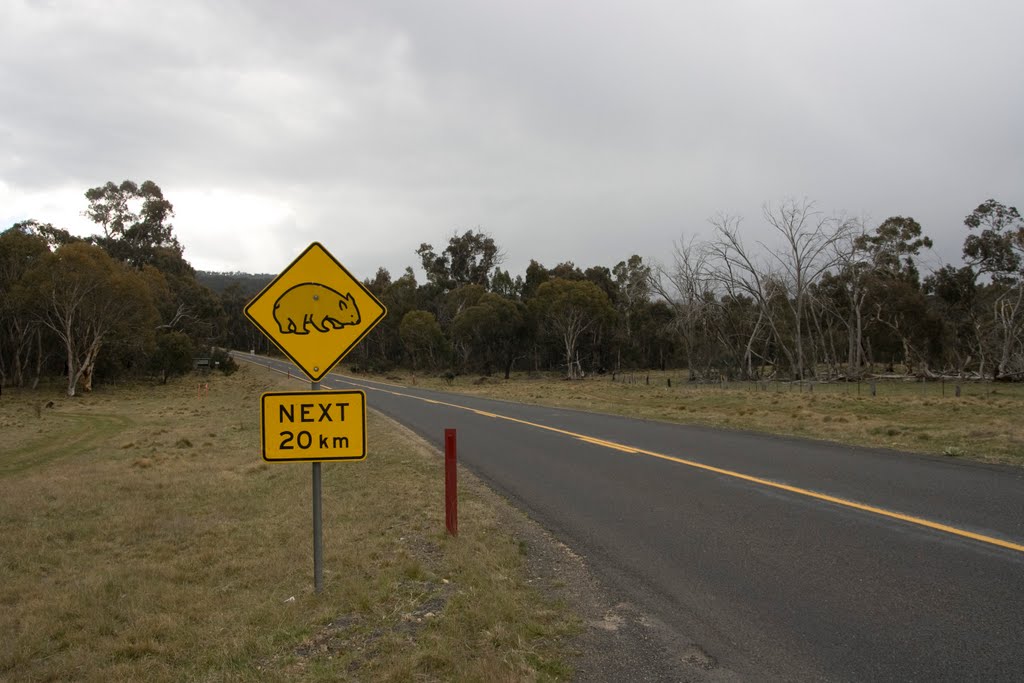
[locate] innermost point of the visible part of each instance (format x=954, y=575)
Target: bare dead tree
x=807, y=252
x=852, y=258
x=687, y=286
x=740, y=272
x=844, y=305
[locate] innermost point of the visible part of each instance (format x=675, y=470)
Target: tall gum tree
x=136, y=230
x=422, y=337
x=89, y=300
x=22, y=248
x=568, y=309
x=467, y=260
x=996, y=248
x=893, y=286
x=494, y=329
x=135, y=220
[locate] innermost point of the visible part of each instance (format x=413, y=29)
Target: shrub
x=223, y=361
x=173, y=355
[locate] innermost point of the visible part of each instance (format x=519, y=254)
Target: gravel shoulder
x=617, y=641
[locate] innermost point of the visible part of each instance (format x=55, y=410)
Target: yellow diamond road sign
x=315, y=311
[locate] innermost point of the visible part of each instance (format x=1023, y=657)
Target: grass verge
x=145, y=539
x=982, y=424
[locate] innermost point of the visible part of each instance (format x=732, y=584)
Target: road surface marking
x=606, y=444
x=910, y=519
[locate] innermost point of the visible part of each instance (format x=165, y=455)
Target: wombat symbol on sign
x=314, y=305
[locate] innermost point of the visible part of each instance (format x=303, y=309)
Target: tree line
x=120, y=302
x=829, y=297
x=837, y=298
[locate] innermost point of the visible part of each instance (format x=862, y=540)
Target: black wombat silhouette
x=316, y=306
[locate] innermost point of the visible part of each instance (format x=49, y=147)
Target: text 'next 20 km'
x=321, y=425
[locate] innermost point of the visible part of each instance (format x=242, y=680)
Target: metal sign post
x=315, y=311
x=318, y=524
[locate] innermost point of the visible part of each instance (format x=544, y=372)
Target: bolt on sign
x=315, y=311
x=313, y=425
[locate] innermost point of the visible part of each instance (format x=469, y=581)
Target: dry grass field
x=144, y=539
x=984, y=423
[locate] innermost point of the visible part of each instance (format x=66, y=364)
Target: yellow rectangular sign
x=313, y=425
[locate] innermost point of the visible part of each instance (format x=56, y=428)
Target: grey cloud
x=584, y=131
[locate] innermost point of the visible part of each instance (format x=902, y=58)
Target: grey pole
x=318, y=529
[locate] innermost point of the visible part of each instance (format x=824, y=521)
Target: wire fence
x=886, y=387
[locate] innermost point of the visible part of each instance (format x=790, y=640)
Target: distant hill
x=249, y=283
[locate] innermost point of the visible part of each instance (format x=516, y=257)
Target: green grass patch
x=145, y=539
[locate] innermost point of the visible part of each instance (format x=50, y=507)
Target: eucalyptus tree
x=134, y=219
x=893, y=288
x=954, y=296
x=502, y=283
x=383, y=347
x=467, y=260
x=89, y=301
x=136, y=230
x=423, y=339
x=631, y=280
x=536, y=275
x=495, y=330
x=566, y=310
x=22, y=249
x=995, y=248
x=449, y=307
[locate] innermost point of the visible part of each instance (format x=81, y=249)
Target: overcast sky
x=567, y=130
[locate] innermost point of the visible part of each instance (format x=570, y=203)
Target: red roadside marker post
x=451, y=489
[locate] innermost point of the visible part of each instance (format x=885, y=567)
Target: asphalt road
x=785, y=559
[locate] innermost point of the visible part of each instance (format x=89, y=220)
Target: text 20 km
x=314, y=425
x=304, y=440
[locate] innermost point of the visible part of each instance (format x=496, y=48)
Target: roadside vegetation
x=821, y=297
x=145, y=539
x=983, y=423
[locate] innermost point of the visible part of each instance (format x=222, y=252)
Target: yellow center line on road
x=606, y=444
x=863, y=507
x=844, y=502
